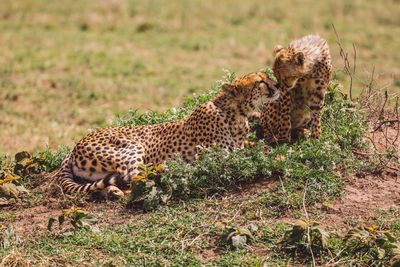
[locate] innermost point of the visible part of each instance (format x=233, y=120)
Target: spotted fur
x=303, y=103
x=107, y=159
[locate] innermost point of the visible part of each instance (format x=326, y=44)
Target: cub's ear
x=299, y=58
x=229, y=88
x=277, y=48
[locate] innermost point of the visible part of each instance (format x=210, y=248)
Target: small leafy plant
x=374, y=244
x=26, y=164
x=12, y=184
x=237, y=237
x=77, y=217
x=10, y=188
x=306, y=234
x=52, y=159
x=149, y=189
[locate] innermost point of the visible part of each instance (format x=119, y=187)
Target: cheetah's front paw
x=112, y=192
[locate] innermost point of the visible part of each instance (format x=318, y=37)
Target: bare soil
x=363, y=195
x=368, y=191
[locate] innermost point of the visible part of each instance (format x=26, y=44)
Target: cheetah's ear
x=229, y=88
x=299, y=58
x=277, y=48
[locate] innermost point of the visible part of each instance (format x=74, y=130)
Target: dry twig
x=308, y=219
x=347, y=68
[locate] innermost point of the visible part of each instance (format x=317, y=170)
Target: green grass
x=186, y=234
x=72, y=65
x=172, y=236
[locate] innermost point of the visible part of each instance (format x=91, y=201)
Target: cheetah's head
x=288, y=66
x=252, y=90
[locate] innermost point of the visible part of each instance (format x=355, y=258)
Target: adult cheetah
x=303, y=103
x=106, y=160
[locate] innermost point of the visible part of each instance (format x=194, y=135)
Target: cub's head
x=288, y=66
x=252, y=90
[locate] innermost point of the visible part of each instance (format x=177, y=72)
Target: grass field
x=68, y=66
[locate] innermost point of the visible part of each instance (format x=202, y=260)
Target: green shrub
x=217, y=170
x=304, y=162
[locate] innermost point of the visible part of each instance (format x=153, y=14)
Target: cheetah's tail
x=65, y=177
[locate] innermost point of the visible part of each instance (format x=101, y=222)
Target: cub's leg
x=316, y=105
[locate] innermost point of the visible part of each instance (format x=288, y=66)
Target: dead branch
x=384, y=122
x=347, y=68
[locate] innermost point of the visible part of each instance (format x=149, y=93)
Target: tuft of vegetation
x=77, y=217
x=305, y=233
x=8, y=238
x=17, y=175
x=148, y=188
x=372, y=245
x=52, y=159
x=237, y=237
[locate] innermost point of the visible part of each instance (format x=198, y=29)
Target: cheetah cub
x=107, y=159
x=303, y=103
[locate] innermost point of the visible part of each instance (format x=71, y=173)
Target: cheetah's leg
x=285, y=124
x=127, y=157
x=317, y=103
x=269, y=120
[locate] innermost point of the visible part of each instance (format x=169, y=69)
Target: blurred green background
x=67, y=66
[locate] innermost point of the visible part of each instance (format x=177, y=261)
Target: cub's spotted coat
x=303, y=103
